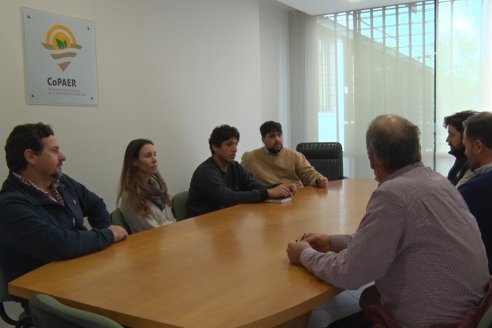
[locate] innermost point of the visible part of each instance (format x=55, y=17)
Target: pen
x=304, y=234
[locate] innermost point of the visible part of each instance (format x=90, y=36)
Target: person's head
x=392, y=143
x=454, y=124
x=139, y=164
x=477, y=139
x=34, y=147
x=223, y=142
x=271, y=136
x=140, y=159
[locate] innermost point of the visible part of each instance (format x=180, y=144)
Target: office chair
x=118, y=219
x=24, y=320
x=47, y=312
x=179, y=205
x=325, y=157
x=486, y=321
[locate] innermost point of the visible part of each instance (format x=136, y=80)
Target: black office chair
x=24, y=319
x=325, y=157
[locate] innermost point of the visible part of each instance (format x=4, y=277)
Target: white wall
x=168, y=70
x=274, y=64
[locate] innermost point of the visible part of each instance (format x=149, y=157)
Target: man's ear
x=480, y=145
x=214, y=148
x=29, y=156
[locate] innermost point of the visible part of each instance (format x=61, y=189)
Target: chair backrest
x=47, y=312
x=118, y=219
x=179, y=205
x=486, y=321
x=325, y=157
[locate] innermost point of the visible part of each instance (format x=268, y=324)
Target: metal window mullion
x=337, y=103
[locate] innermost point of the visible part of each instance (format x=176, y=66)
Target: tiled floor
x=344, y=304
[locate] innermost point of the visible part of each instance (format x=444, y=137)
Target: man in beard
x=477, y=138
x=459, y=172
x=42, y=210
x=275, y=164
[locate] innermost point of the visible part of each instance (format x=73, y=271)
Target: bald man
x=417, y=240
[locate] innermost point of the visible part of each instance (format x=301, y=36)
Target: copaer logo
x=61, y=43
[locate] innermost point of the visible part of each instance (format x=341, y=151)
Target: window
x=363, y=63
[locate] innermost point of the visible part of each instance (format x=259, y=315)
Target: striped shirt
x=419, y=243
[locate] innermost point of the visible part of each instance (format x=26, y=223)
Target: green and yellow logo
x=62, y=45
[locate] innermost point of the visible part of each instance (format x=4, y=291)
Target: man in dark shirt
x=477, y=192
x=42, y=211
x=454, y=125
x=221, y=182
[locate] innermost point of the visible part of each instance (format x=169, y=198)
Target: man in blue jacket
x=42, y=211
x=477, y=192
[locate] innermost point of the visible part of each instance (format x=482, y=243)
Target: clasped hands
x=283, y=190
x=319, y=242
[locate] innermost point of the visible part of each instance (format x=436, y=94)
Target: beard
x=57, y=174
x=274, y=150
x=454, y=149
x=473, y=165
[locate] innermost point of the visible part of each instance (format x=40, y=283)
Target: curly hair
x=457, y=119
x=22, y=137
x=220, y=134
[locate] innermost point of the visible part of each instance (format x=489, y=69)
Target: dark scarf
x=156, y=193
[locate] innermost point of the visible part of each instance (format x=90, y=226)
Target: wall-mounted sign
x=60, y=60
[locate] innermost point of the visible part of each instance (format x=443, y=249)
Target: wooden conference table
x=224, y=269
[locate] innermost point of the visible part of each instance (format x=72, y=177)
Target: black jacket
x=35, y=230
x=460, y=166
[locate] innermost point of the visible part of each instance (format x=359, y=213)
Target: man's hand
x=280, y=191
x=119, y=233
x=293, y=188
x=322, y=182
x=320, y=242
x=294, y=250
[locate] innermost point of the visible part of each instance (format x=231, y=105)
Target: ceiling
x=319, y=7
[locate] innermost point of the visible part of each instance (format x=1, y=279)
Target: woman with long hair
x=143, y=197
